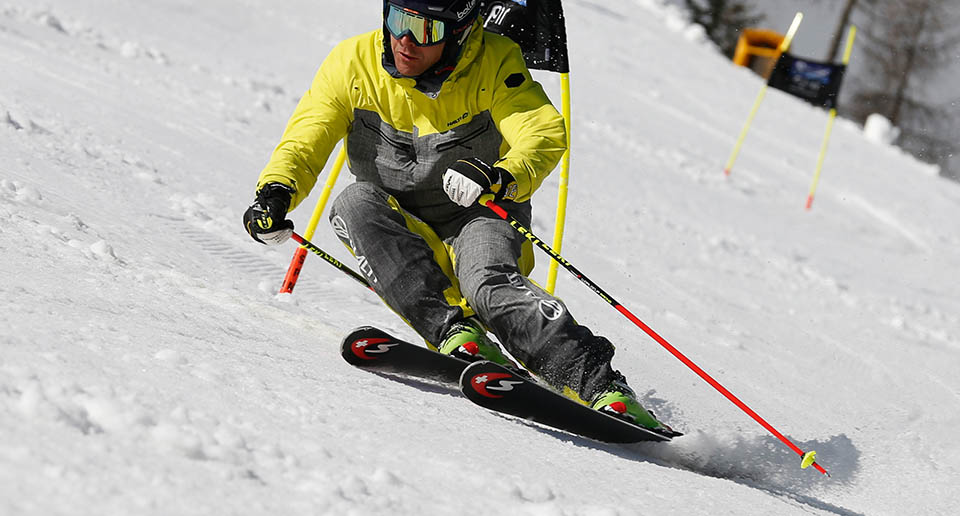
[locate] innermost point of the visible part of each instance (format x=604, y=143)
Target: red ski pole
x=293, y=271
x=330, y=259
x=808, y=458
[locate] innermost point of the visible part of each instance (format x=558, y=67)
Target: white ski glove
x=467, y=179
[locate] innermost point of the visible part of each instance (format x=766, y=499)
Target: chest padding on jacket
x=410, y=167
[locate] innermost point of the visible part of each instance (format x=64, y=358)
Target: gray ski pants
x=532, y=325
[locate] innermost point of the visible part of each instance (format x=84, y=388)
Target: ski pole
x=808, y=458
x=330, y=259
x=296, y=263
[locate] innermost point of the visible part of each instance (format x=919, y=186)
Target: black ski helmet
x=458, y=14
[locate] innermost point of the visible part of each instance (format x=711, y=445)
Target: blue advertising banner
x=816, y=82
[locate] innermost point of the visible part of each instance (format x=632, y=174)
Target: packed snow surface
x=148, y=366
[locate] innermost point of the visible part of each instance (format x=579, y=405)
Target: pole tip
x=810, y=459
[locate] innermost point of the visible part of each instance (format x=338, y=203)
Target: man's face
x=412, y=60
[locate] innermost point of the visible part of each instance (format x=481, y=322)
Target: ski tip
x=670, y=434
x=355, y=345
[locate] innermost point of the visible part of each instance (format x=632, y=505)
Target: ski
x=489, y=385
x=371, y=348
x=502, y=390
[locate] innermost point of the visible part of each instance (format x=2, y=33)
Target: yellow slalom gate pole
x=784, y=46
x=833, y=115
x=823, y=153
x=564, y=182
x=296, y=264
x=325, y=194
x=743, y=132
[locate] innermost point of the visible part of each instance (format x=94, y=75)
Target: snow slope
x=148, y=367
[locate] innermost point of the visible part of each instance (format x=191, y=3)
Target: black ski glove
x=467, y=179
x=265, y=220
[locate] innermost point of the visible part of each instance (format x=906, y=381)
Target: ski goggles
x=424, y=31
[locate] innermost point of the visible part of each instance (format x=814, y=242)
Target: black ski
x=489, y=385
x=372, y=348
x=497, y=388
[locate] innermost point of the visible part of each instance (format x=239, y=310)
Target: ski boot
x=619, y=400
x=467, y=340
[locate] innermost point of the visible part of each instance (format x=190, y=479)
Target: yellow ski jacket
x=403, y=139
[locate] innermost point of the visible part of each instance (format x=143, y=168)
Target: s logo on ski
x=365, y=347
x=483, y=383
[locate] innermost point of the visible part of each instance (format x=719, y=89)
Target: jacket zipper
x=462, y=141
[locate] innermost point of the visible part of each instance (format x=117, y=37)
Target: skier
x=436, y=113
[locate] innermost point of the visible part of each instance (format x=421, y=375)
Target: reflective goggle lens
x=424, y=31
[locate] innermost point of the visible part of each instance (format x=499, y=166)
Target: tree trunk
x=838, y=33
x=901, y=90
